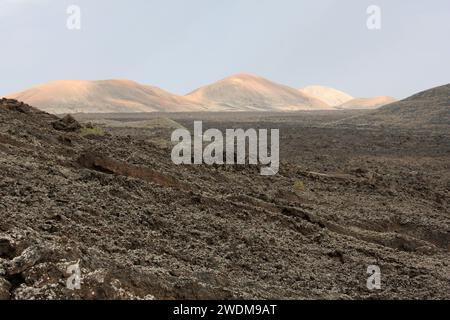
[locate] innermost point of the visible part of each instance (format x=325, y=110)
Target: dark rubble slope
x=142, y=227
x=429, y=109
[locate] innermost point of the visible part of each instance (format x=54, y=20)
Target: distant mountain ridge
x=241, y=92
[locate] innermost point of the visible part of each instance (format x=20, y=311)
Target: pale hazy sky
x=180, y=45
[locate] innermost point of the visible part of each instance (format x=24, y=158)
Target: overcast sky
x=180, y=45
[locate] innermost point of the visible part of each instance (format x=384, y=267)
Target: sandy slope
x=367, y=103
x=330, y=96
x=102, y=97
x=245, y=92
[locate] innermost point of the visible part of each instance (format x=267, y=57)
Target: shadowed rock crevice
x=107, y=165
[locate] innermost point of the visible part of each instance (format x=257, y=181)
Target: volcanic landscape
x=101, y=190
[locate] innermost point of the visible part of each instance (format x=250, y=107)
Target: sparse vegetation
x=157, y=123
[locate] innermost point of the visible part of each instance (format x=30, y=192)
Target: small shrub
x=94, y=131
x=299, y=186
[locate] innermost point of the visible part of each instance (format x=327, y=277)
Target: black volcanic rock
x=11, y=105
x=67, y=124
x=141, y=227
